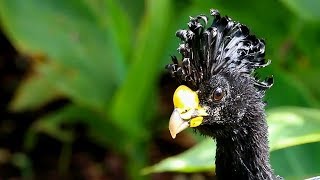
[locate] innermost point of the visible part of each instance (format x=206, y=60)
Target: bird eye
x=218, y=94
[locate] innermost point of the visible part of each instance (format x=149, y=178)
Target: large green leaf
x=297, y=162
x=75, y=36
x=289, y=126
x=85, y=54
x=197, y=159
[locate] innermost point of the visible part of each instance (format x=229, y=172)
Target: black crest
x=225, y=45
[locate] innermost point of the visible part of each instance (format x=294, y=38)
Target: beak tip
x=173, y=135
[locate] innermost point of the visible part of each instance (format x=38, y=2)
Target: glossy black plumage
x=225, y=56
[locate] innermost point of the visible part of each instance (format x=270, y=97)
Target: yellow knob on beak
x=184, y=98
x=187, y=111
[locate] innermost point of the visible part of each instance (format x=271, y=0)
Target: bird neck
x=245, y=153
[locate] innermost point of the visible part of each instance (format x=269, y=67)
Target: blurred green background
x=84, y=93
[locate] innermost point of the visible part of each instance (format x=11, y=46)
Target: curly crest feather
x=225, y=45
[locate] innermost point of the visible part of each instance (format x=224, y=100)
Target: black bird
x=220, y=95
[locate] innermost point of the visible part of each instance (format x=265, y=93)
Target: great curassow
x=221, y=96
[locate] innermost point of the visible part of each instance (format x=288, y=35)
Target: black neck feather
x=244, y=154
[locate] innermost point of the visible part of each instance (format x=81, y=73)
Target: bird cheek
x=216, y=113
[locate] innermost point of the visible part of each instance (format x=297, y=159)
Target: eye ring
x=218, y=94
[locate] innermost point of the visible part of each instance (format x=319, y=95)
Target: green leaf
x=297, y=162
x=195, y=159
x=134, y=96
x=306, y=9
x=75, y=37
x=134, y=102
x=292, y=126
x=35, y=91
x=120, y=27
x=289, y=126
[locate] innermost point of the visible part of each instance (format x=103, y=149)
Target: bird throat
x=244, y=154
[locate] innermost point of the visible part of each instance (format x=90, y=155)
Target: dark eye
x=218, y=94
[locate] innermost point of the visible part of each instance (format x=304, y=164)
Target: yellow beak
x=187, y=111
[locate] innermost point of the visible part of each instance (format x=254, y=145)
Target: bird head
x=217, y=76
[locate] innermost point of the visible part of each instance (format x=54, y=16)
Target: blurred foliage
x=106, y=56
